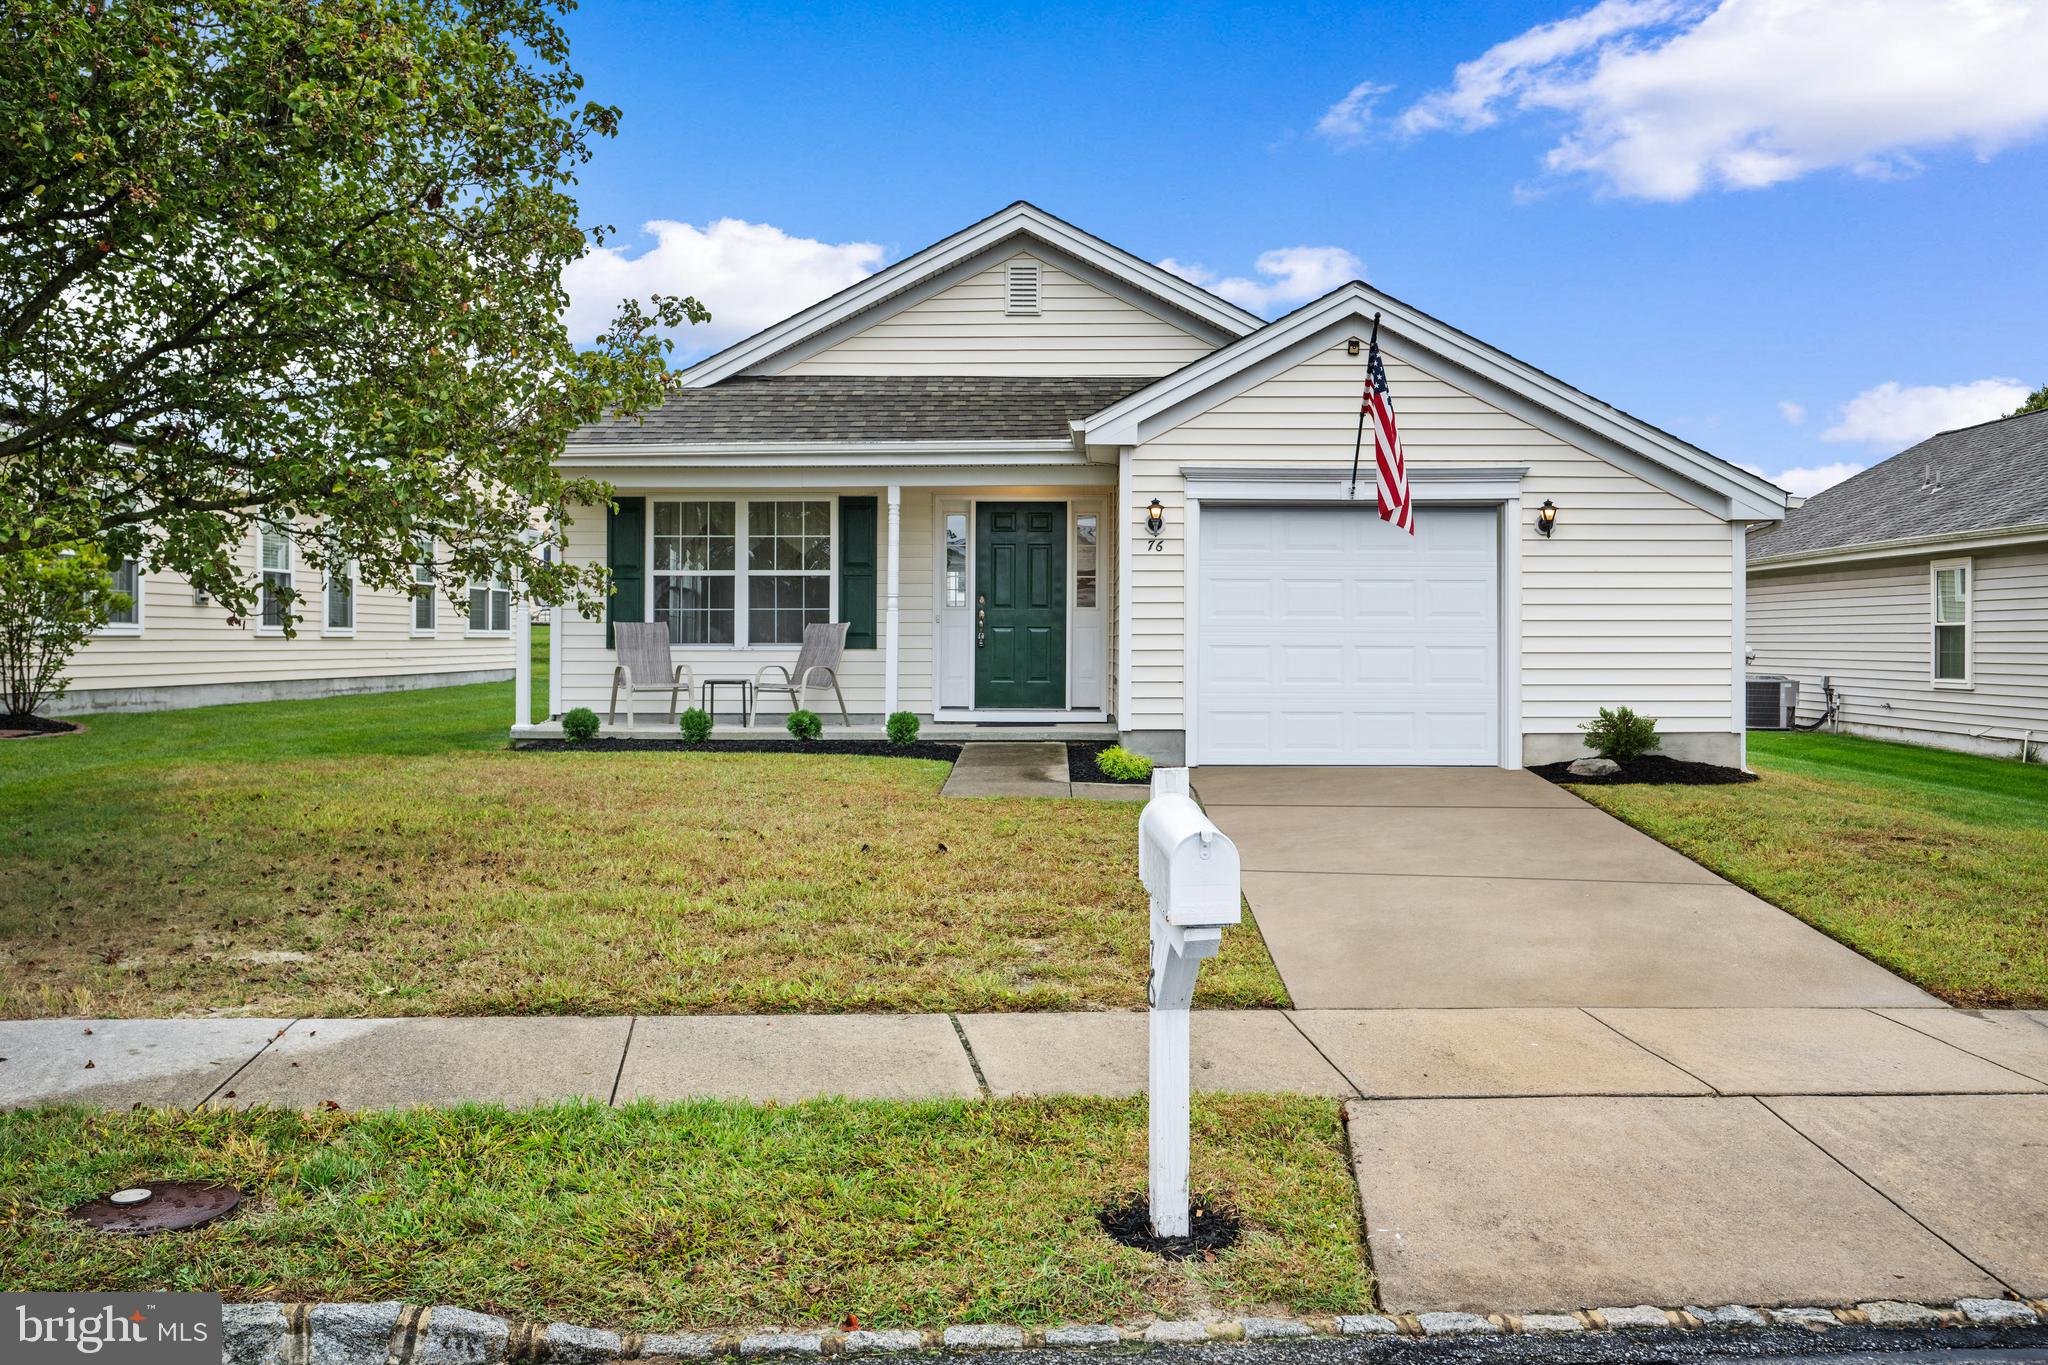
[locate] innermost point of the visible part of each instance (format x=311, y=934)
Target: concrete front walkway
x=1021, y=768
x=1591, y=1071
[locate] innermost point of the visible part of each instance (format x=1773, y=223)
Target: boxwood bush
x=696, y=725
x=903, y=727
x=579, y=724
x=805, y=725
x=1621, y=734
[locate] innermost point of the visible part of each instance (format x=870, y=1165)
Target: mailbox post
x=1190, y=871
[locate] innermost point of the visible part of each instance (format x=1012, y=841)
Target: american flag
x=1378, y=407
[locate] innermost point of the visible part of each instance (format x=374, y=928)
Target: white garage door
x=1327, y=636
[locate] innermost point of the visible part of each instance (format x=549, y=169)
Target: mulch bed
x=1651, y=768
x=866, y=748
x=1081, y=764
x=35, y=727
x=1213, y=1226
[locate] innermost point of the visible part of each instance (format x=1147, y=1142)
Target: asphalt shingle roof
x=1989, y=477
x=775, y=408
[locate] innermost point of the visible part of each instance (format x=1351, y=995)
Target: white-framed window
x=341, y=600
x=696, y=570
x=956, y=559
x=424, y=589
x=127, y=576
x=1086, y=559
x=490, y=607
x=274, y=560
x=742, y=571
x=789, y=569
x=1950, y=582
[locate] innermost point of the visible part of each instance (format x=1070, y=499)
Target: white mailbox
x=1190, y=869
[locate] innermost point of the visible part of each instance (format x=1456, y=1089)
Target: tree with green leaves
x=300, y=261
x=2037, y=401
x=50, y=600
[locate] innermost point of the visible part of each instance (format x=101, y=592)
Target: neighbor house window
x=127, y=576
x=490, y=607
x=695, y=569
x=1952, y=621
x=274, y=556
x=423, y=590
x=341, y=599
x=1084, y=560
x=789, y=570
x=956, y=559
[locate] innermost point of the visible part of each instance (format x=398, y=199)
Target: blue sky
x=1699, y=211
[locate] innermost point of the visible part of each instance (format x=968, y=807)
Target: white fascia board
x=1913, y=547
x=654, y=476
x=824, y=454
x=1544, y=402
x=1225, y=317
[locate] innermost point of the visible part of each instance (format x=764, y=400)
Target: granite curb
x=401, y=1334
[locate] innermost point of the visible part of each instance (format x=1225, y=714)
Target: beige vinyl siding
x=1630, y=603
x=1080, y=329
x=587, y=664
x=185, y=645
x=1870, y=628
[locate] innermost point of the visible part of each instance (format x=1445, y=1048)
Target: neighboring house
x=962, y=457
x=175, y=648
x=1919, y=591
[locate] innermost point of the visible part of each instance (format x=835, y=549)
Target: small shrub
x=1119, y=764
x=696, y=725
x=903, y=727
x=1621, y=734
x=805, y=725
x=580, y=724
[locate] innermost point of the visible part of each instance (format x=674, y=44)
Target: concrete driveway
x=1477, y=887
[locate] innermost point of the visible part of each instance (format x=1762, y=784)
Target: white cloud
x=1793, y=413
x=1667, y=98
x=1808, y=480
x=1347, y=120
x=1896, y=416
x=1289, y=276
x=748, y=274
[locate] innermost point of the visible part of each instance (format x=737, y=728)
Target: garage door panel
x=1326, y=636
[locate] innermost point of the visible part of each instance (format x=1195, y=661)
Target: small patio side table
x=746, y=687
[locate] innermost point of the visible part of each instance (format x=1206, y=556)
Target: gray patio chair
x=817, y=665
x=644, y=667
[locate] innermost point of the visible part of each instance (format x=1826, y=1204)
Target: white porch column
x=890, y=612
x=522, y=659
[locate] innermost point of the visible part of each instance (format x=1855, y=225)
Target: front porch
x=657, y=726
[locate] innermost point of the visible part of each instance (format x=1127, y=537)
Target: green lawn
x=1932, y=863
x=706, y=1214
x=410, y=863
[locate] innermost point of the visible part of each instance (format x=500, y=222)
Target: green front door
x=1020, y=605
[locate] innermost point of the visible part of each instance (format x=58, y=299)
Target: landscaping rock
x=1996, y=1312
x=876, y=1343
x=350, y=1333
x=1176, y=1333
x=1817, y=1319
x=1892, y=1313
x=252, y=1334
x=983, y=1337
x=568, y=1344
x=783, y=1344
x=1550, y=1324
x=1456, y=1325
x=1593, y=767
x=456, y=1336
x=1638, y=1318
x=680, y=1346
x=1367, y=1325
x=1098, y=1335
x=1728, y=1316
x=1272, y=1329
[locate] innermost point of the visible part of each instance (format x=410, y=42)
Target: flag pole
x=1358, y=441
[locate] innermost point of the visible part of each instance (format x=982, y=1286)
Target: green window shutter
x=625, y=537
x=857, y=571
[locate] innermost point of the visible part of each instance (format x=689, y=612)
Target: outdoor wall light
x=1546, y=517
x=1155, y=518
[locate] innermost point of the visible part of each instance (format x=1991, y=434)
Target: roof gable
x=1514, y=386
x=1972, y=481
x=952, y=259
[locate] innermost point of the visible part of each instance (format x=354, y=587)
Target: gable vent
x=1020, y=287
